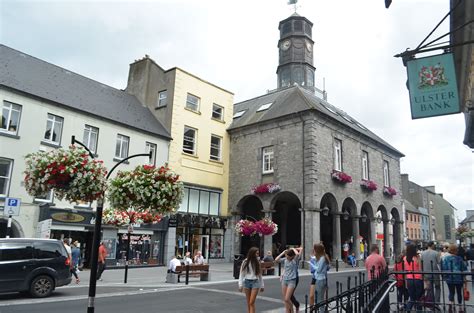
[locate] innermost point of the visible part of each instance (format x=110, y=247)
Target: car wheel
x=41, y=286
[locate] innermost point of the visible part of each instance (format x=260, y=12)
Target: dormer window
x=239, y=114
x=162, y=96
x=264, y=107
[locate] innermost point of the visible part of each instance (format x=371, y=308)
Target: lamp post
x=97, y=229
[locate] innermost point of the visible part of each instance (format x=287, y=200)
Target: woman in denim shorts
x=290, y=275
x=250, y=278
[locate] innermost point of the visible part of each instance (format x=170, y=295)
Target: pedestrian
x=345, y=250
x=431, y=259
x=187, y=258
x=402, y=291
x=366, y=249
x=75, y=258
x=375, y=263
x=250, y=278
x=454, y=263
x=290, y=277
x=268, y=257
x=101, y=257
x=319, y=269
x=351, y=259
x=198, y=258
x=412, y=263
x=69, y=256
x=362, y=249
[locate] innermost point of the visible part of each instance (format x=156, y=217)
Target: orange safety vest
x=413, y=266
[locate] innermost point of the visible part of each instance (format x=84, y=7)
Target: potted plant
x=265, y=188
x=389, y=191
x=128, y=217
x=341, y=177
x=266, y=227
x=245, y=228
x=368, y=185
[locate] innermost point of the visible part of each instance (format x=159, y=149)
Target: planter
x=341, y=177
x=368, y=185
x=265, y=188
x=389, y=191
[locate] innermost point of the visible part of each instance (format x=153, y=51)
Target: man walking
x=101, y=264
x=430, y=258
x=375, y=263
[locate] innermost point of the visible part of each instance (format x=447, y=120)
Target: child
x=352, y=259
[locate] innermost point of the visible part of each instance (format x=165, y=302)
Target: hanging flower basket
x=341, y=177
x=245, y=228
x=266, y=227
x=70, y=173
x=265, y=188
x=146, y=189
x=389, y=191
x=128, y=217
x=368, y=185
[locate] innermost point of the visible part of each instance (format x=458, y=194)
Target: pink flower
x=341, y=177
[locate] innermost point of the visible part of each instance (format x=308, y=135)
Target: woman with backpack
x=250, y=278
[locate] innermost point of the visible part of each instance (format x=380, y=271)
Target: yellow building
x=197, y=114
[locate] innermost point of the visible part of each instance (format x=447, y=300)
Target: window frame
x=8, y=119
x=48, y=199
x=87, y=143
x=148, y=147
x=189, y=103
x=221, y=118
x=217, y=158
x=386, y=174
x=8, y=178
x=160, y=99
x=365, y=165
x=337, y=155
x=53, y=119
x=194, y=140
x=185, y=204
x=120, y=157
x=268, y=153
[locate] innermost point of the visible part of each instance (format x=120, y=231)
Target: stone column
x=373, y=233
x=336, y=235
x=355, y=236
x=386, y=239
x=267, y=240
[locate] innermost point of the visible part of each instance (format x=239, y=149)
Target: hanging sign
x=433, y=87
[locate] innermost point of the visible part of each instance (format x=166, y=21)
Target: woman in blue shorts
x=250, y=278
x=290, y=275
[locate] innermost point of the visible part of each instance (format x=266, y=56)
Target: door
x=204, y=246
x=16, y=262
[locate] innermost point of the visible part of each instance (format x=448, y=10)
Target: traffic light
x=387, y=3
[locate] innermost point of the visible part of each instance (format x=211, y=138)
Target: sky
x=233, y=44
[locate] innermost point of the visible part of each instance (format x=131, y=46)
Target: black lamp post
x=97, y=229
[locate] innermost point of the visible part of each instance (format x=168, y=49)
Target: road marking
x=237, y=293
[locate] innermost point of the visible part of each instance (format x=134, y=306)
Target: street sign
x=43, y=229
x=12, y=207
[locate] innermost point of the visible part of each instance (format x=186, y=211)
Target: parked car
x=34, y=266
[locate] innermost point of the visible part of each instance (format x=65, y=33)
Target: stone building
x=298, y=140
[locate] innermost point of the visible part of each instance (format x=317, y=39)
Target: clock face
x=309, y=46
x=285, y=45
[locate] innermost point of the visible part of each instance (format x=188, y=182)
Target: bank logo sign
x=433, y=87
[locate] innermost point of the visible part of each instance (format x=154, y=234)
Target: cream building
x=197, y=114
x=43, y=105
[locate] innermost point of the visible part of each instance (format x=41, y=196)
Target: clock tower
x=295, y=48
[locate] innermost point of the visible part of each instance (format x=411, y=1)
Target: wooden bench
x=194, y=270
x=268, y=268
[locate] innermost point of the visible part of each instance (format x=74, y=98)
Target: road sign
x=43, y=229
x=12, y=207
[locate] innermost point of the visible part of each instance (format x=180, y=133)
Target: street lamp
x=378, y=219
x=325, y=211
x=345, y=215
x=363, y=217
x=393, y=221
x=97, y=229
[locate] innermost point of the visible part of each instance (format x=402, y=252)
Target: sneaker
x=78, y=280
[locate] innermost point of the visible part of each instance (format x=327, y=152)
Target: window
x=10, y=251
x=239, y=114
x=386, y=177
x=46, y=198
x=192, y=102
x=10, y=117
x=5, y=176
x=338, y=155
x=205, y=202
x=47, y=250
x=54, y=128
x=216, y=143
x=365, y=165
x=264, y=107
x=268, y=160
x=91, y=136
x=162, y=96
x=217, y=112
x=151, y=147
x=121, y=146
x=189, y=140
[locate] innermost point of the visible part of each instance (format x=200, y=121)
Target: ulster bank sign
x=433, y=87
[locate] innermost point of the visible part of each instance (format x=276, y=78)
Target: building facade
x=299, y=141
x=196, y=113
x=43, y=106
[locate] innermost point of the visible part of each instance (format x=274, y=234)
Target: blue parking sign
x=12, y=207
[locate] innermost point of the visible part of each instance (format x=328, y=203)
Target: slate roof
x=293, y=100
x=409, y=207
x=467, y=220
x=36, y=77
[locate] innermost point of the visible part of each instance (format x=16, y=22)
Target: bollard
x=337, y=265
x=279, y=268
x=187, y=274
x=305, y=303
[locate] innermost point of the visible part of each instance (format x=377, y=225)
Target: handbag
x=467, y=294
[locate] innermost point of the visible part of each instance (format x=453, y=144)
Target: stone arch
x=396, y=231
x=348, y=212
x=328, y=234
x=365, y=224
x=383, y=223
x=250, y=207
x=286, y=213
x=16, y=229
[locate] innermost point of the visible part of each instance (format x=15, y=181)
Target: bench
x=268, y=268
x=194, y=270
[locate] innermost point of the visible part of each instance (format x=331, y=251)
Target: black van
x=36, y=266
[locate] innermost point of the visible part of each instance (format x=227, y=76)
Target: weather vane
x=293, y=2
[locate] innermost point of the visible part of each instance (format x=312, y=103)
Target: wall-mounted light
x=363, y=217
x=325, y=211
x=393, y=221
x=378, y=219
x=345, y=215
